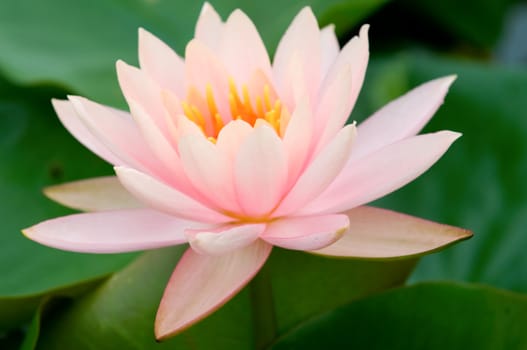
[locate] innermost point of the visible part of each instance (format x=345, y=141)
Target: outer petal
x=201, y=284
x=302, y=38
x=242, y=50
x=382, y=234
x=320, y=173
x=167, y=199
x=112, y=231
x=382, y=172
x=97, y=194
x=224, y=239
x=161, y=63
x=401, y=118
x=71, y=121
x=260, y=171
x=209, y=28
x=306, y=233
x=232, y=136
x=117, y=130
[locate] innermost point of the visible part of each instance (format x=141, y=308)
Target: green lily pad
x=425, y=316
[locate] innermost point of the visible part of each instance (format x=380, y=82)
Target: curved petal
x=161, y=63
x=320, y=173
x=209, y=28
x=306, y=233
x=209, y=170
x=96, y=194
x=384, y=234
x=329, y=46
x=382, y=172
x=70, y=119
x=224, y=239
x=232, y=136
x=201, y=284
x=242, y=50
x=138, y=86
x=117, y=130
x=111, y=231
x=165, y=198
x=401, y=118
x=260, y=171
x=302, y=38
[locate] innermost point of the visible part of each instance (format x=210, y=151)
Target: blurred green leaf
x=120, y=314
x=75, y=43
x=478, y=22
x=37, y=152
x=480, y=183
x=425, y=316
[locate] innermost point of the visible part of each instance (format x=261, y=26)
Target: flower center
x=203, y=109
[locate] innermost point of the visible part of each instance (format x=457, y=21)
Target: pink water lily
x=235, y=155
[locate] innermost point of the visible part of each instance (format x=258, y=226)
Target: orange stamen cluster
x=203, y=110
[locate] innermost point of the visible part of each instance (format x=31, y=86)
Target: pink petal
x=242, y=49
x=329, y=46
x=302, y=38
x=70, y=119
x=209, y=28
x=297, y=139
x=209, y=170
x=382, y=172
x=161, y=63
x=201, y=284
x=232, y=136
x=355, y=55
x=224, y=239
x=383, y=234
x=117, y=130
x=136, y=85
x=334, y=107
x=167, y=199
x=96, y=194
x=401, y=118
x=112, y=231
x=306, y=233
x=320, y=173
x=260, y=171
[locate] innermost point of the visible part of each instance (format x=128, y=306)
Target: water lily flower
x=233, y=154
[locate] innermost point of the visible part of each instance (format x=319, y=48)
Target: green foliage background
x=51, y=299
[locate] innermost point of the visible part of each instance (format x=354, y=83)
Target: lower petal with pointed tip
x=306, y=233
x=112, y=231
x=201, y=284
x=384, y=234
x=224, y=239
x=96, y=194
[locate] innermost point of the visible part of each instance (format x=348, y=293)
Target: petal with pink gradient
x=232, y=136
x=382, y=172
x=95, y=194
x=260, y=171
x=165, y=198
x=209, y=28
x=302, y=38
x=117, y=130
x=320, y=173
x=384, y=234
x=209, y=170
x=306, y=232
x=201, y=284
x=241, y=48
x=221, y=240
x=70, y=119
x=160, y=62
x=112, y=231
x=401, y=118
x=329, y=47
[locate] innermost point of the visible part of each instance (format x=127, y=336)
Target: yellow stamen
x=267, y=97
x=210, y=100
